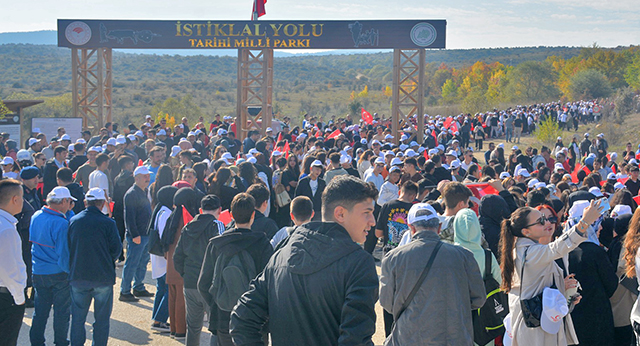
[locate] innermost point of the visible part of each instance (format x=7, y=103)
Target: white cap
x=60, y=192
x=269, y=129
x=403, y=147
x=81, y=141
x=197, y=132
x=65, y=137
x=71, y=147
x=389, y=153
x=413, y=144
x=613, y=155
x=304, y=135
x=404, y=137
x=254, y=160
x=162, y=132
x=182, y=140
x=227, y=156
x=421, y=149
x=413, y=218
x=33, y=141
x=395, y=169
x=375, y=141
x=532, y=183
x=433, y=152
x=523, y=172
x=222, y=132
x=344, y=159
x=612, y=176
x=540, y=185
x=276, y=153
x=452, y=153
x=618, y=186
x=7, y=160
x=554, y=309
x=121, y=140
x=505, y=175
x=317, y=163
x=95, y=149
x=111, y=141
x=147, y=116
x=440, y=147
x=23, y=155
x=132, y=138
x=501, y=145
x=621, y=209
x=379, y=160
x=139, y=134
x=396, y=161
x=141, y=170
x=515, y=147
x=558, y=166
x=410, y=153
x=95, y=194
x=388, y=137
x=10, y=175
x=596, y=192
x=600, y=135
x=347, y=148
x=586, y=134
x=454, y=164
x=191, y=133
x=175, y=150
x=559, y=138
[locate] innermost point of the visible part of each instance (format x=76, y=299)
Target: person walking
x=94, y=246
x=50, y=254
x=13, y=272
x=452, y=287
x=317, y=295
x=312, y=186
x=137, y=214
x=188, y=258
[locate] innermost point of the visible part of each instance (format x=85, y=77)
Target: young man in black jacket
x=188, y=258
x=229, y=243
x=320, y=287
x=123, y=182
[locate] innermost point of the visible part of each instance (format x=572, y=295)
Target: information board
x=294, y=34
x=49, y=126
x=11, y=125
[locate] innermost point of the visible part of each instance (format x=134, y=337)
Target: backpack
x=231, y=278
x=487, y=321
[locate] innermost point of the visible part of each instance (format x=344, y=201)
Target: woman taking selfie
x=523, y=241
x=632, y=259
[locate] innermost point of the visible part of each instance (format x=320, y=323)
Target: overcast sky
x=470, y=24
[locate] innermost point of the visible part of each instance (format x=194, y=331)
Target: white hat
x=410, y=153
x=24, y=155
x=554, y=309
x=65, y=137
x=375, y=141
x=586, y=134
x=347, y=148
x=182, y=140
x=227, y=156
x=71, y=147
x=559, y=138
x=552, y=188
x=618, y=186
x=269, y=129
x=141, y=170
x=33, y=141
x=600, y=135
x=276, y=153
x=175, y=150
x=433, y=152
x=501, y=145
x=403, y=147
x=147, y=116
x=318, y=163
x=254, y=160
x=454, y=164
x=81, y=141
x=389, y=153
x=413, y=218
x=532, y=183
x=162, y=132
x=111, y=141
x=621, y=209
x=379, y=160
x=523, y=172
x=95, y=194
x=515, y=147
x=253, y=151
x=139, y=134
x=399, y=154
x=440, y=147
x=540, y=185
x=388, y=137
x=414, y=144
x=121, y=140
x=222, y=132
x=395, y=169
x=197, y=132
x=396, y=161
x=60, y=192
x=612, y=176
x=132, y=138
x=362, y=141
x=613, y=155
x=421, y=149
x=95, y=149
x=7, y=160
x=191, y=133
x=404, y=137
x=505, y=175
x=10, y=175
x=596, y=192
x=452, y=153
x=558, y=166
x=344, y=159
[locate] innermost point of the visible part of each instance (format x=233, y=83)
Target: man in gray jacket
x=440, y=312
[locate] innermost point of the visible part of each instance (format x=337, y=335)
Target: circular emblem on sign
x=16, y=119
x=78, y=33
x=423, y=34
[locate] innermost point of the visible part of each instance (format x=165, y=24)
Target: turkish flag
x=366, y=117
x=447, y=123
x=225, y=217
x=637, y=199
x=286, y=149
x=334, y=134
x=482, y=189
x=258, y=9
x=279, y=137
x=140, y=162
x=186, y=216
x=435, y=136
x=574, y=174
x=454, y=127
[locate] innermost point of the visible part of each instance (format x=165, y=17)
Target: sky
x=470, y=24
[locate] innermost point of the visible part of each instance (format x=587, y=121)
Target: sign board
x=49, y=126
x=11, y=125
x=295, y=34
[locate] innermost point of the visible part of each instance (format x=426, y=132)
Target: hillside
x=318, y=84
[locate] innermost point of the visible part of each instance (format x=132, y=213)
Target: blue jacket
x=137, y=212
x=94, y=245
x=48, y=234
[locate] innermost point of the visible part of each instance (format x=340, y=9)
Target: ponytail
x=511, y=229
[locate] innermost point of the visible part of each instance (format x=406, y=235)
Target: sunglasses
x=541, y=221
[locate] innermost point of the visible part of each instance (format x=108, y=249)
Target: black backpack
x=487, y=321
x=231, y=278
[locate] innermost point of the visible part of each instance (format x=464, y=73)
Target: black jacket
x=78, y=193
x=229, y=243
x=593, y=318
x=137, y=212
x=77, y=161
x=493, y=209
x=319, y=288
x=189, y=254
x=304, y=189
x=121, y=185
x=49, y=179
x=261, y=223
x=94, y=245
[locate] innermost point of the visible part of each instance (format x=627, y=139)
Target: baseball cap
x=175, y=150
x=413, y=144
x=523, y=172
x=112, y=141
x=621, y=209
x=141, y=170
x=396, y=161
x=344, y=159
x=7, y=160
x=379, y=160
x=95, y=149
x=132, y=138
x=33, y=141
x=121, y=140
x=95, y=194
x=452, y=153
x=222, y=132
x=227, y=156
x=81, y=141
x=559, y=138
x=269, y=129
x=388, y=137
x=596, y=192
x=532, y=183
x=619, y=186
x=403, y=147
x=162, y=132
x=276, y=153
x=612, y=176
x=558, y=166
x=421, y=212
x=65, y=137
x=60, y=192
x=454, y=164
x=253, y=151
x=210, y=202
x=139, y=134
x=554, y=308
x=29, y=172
x=505, y=175
x=317, y=163
x=395, y=169
x=410, y=153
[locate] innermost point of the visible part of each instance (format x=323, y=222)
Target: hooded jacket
x=319, y=288
x=493, y=209
x=468, y=235
x=192, y=246
x=230, y=243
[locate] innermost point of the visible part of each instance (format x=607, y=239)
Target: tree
x=532, y=81
x=449, y=92
x=355, y=108
x=632, y=72
x=178, y=109
x=475, y=101
x=3, y=109
x=589, y=84
x=548, y=131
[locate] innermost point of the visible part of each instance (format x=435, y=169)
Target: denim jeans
x=161, y=301
x=51, y=290
x=135, y=266
x=102, y=306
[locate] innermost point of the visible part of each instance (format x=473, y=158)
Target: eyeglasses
x=541, y=221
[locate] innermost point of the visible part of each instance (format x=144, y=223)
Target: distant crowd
x=272, y=236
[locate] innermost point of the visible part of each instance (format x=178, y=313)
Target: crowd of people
x=272, y=237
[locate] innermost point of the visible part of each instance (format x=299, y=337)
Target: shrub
x=547, y=131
